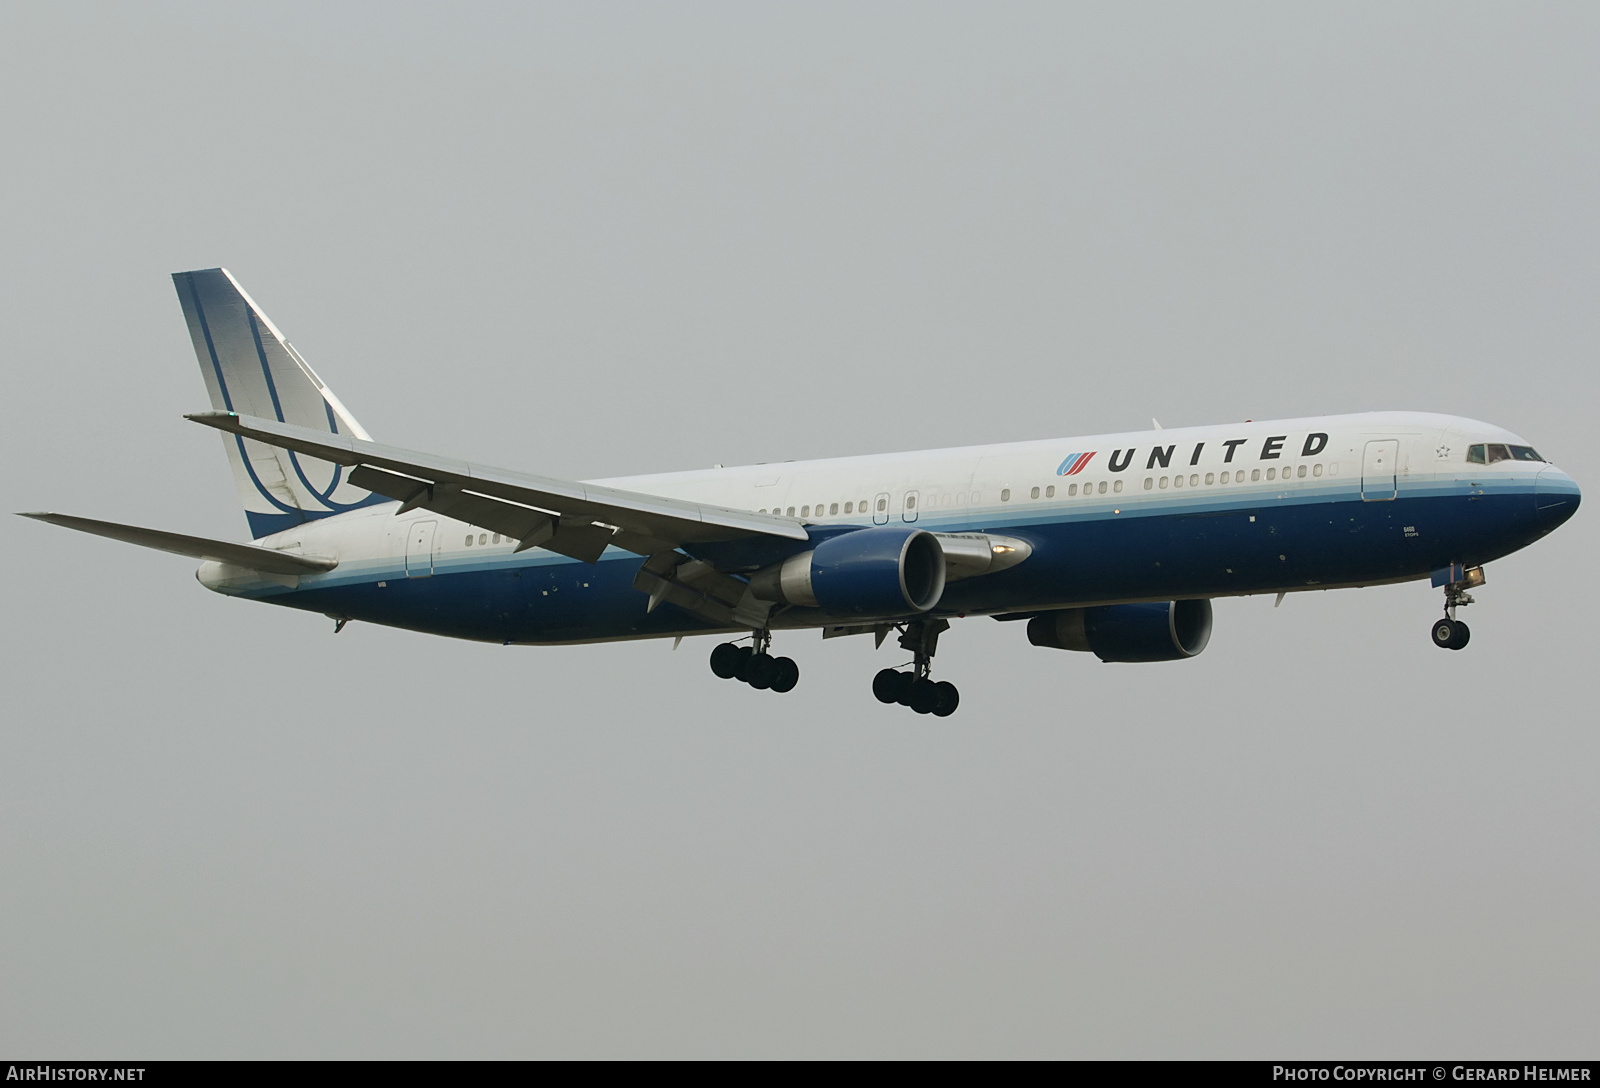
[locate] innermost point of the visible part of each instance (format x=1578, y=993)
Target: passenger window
x=805, y=511
x=1300, y=472
x=1177, y=481
x=961, y=498
x=1163, y=483
x=763, y=510
x=1072, y=490
x=1050, y=492
x=1272, y=474
x=911, y=502
x=1034, y=494
x=1211, y=478
x=1316, y=470
x=1498, y=453
x=483, y=538
x=1117, y=486
x=791, y=512
x=1223, y=478
x=1149, y=483
x=469, y=540
x=833, y=508
x=1194, y=479
x=1475, y=455
x=1255, y=474
x=847, y=507
x=883, y=504
x=1102, y=487
x=1005, y=494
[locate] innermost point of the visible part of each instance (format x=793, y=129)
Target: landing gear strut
x=916, y=689
x=755, y=665
x=1450, y=633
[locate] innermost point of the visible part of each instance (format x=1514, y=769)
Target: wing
x=575, y=519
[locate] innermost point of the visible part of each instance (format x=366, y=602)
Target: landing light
x=1473, y=578
x=1003, y=549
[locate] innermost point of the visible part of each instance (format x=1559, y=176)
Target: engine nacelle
x=1167, y=631
x=869, y=573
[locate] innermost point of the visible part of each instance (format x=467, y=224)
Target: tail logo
x=1075, y=463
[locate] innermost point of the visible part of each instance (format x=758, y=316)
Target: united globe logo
x=1075, y=463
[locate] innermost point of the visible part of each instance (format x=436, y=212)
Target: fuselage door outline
x=1378, y=468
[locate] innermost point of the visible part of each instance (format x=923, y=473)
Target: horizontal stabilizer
x=267, y=560
x=573, y=518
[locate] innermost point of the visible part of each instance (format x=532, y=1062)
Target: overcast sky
x=596, y=239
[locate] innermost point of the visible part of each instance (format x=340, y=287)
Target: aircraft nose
x=1555, y=498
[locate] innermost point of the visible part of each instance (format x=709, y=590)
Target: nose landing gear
x=916, y=689
x=1450, y=633
x=754, y=665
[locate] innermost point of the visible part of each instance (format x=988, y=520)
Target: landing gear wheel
x=785, y=674
x=761, y=671
x=923, y=695
x=1449, y=634
x=946, y=699
x=889, y=685
x=727, y=658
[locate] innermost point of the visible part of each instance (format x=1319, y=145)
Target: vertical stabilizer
x=251, y=369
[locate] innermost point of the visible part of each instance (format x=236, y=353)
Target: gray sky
x=593, y=239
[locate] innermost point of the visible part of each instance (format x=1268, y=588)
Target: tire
x=761, y=671
x=726, y=659
x=923, y=696
x=746, y=656
x=1447, y=634
x=1463, y=636
x=785, y=674
x=889, y=685
x=948, y=698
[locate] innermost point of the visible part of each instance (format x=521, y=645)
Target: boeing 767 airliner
x=1112, y=544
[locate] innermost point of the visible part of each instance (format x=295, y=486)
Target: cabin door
x=1378, y=483
x=908, y=507
x=419, y=549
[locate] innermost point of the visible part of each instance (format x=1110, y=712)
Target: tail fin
x=251, y=369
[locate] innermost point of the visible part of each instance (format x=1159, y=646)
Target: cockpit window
x=1490, y=452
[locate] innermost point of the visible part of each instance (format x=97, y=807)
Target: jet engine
x=1166, y=631
x=870, y=573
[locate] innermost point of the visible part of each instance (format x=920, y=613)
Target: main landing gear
x=1448, y=632
x=754, y=665
x=916, y=689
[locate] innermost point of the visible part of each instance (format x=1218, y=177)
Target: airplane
x=1111, y=544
